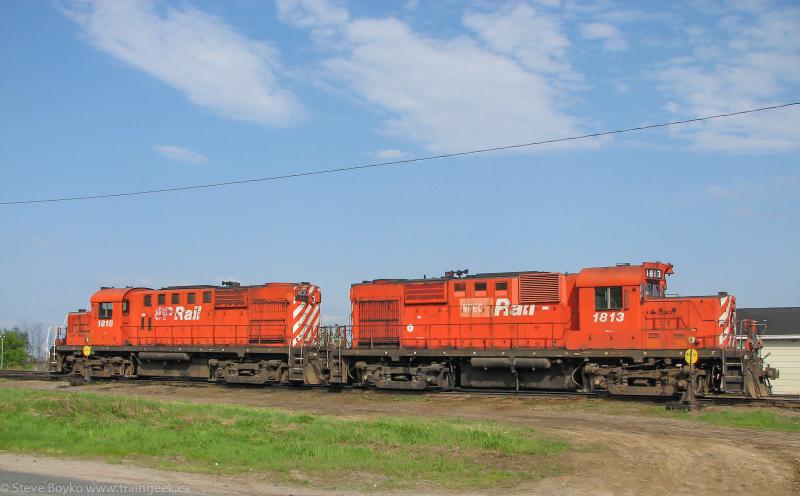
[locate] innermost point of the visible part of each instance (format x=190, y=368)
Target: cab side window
x=608, y=298
x=105, y=310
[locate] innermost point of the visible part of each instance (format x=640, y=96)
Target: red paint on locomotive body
x=271, y=315
x=619, y=308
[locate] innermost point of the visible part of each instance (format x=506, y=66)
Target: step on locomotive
x=604, y=329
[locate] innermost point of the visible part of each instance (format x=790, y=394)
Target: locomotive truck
x=605, y=329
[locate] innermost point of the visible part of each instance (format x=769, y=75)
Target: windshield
x=653, y=290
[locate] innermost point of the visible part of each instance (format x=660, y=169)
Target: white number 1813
x=609, y=316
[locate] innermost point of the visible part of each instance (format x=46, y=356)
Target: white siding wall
x=784, y=356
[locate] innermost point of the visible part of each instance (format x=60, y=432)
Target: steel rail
x=780, y=401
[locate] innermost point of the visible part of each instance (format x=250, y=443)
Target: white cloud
x=447, y=94
x=717, y=191
x=748, y=60
x=611, y=37
x=180, y=154
x=532, y=37
x=311, y=13
x=202, y=56
x=458, y=93
x=389, y=154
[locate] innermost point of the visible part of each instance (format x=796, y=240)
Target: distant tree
x=37, y=339
x=15, y=347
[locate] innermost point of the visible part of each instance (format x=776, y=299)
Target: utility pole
x=2, y=349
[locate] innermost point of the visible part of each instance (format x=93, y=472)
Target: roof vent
x=231, y=284
x=540, y=287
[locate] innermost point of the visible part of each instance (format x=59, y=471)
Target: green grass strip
x=381, y=452
x=756, y=418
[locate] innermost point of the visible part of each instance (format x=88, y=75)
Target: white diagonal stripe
x=297, y=310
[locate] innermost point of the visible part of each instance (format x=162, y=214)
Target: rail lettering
x=503, y=307
x=178, y=313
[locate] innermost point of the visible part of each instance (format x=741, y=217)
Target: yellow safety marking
x=691, y=356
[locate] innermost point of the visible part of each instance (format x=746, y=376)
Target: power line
x=409, y=161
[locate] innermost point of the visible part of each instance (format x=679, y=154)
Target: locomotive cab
x=611, y=302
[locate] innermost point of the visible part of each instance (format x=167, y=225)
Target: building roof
x=781, y=321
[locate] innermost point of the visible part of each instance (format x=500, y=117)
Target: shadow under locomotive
x=611, y=329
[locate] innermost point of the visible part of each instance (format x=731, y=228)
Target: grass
x=382, y=452
x=747, y=417
x=744, y=417
x=22, y=366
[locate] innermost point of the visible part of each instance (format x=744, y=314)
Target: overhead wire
x=409, y=161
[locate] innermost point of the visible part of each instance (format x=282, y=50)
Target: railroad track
x=781, y=401
x=32, y=375
x=778, y=400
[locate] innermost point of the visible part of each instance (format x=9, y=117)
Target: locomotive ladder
x=733, y=370
x=296, y=364
x=732, y=375
x=335, y=338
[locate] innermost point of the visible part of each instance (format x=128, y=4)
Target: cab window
x=105, y=310
x=608, y=298
x=653, y=290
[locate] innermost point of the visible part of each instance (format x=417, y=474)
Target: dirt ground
x=619, y=451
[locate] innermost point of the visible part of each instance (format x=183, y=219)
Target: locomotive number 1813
x=609, y=316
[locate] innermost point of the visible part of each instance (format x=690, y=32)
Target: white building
x=781, y=344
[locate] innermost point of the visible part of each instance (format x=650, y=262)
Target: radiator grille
x=426, y=292
x=231, y=298
x=378, y=323
x=268, y=321
x=542, y=287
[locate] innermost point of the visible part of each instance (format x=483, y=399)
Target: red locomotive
x=608, y=329
x=178, y=331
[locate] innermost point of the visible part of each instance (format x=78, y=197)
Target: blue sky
x=102, y=97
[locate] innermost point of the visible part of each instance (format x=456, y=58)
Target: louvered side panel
x=426, y=292
x=540, y=288
x=268, y=321
x=231, y=298
x=379, y=323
